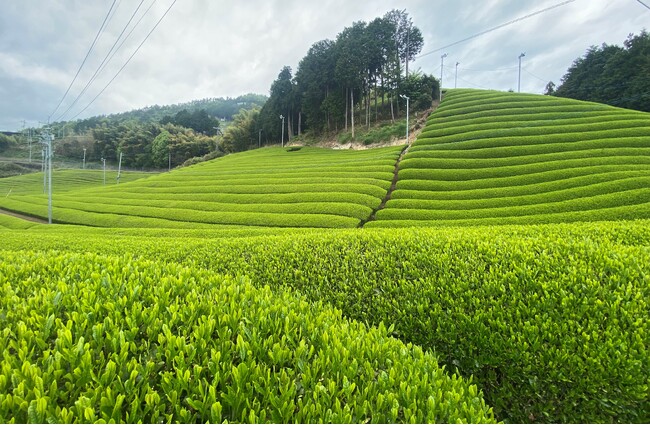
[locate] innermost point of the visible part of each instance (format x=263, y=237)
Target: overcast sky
x=210, y=48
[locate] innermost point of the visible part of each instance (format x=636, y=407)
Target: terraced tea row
x=496, y=158
x=268, y=187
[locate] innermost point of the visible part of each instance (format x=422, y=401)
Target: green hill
x=272, y=187
x=502, y=158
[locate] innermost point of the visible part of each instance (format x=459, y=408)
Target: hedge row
x=453, y=210
x=528, y=128
x=436, y=151
x=461, y=142
x=421, y=179
x=519, y=196
x=443, y=191
x=90, y=338
x=475, y=163
x=622, y=162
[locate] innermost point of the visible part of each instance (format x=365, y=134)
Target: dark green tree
x=614, y=75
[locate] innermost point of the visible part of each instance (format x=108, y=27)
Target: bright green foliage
x=269, y=187
x=551, y=322
x=496, y=158
x=90, y=338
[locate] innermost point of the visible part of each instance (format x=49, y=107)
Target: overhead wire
x=127, y=61
x=101, y=29
x=102, y=64
x=530, y=15
x=647, y=7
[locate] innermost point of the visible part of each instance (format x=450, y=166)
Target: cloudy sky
x=212, y=48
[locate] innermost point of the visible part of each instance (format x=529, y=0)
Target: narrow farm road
x=23, y=216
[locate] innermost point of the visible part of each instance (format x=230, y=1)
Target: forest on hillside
x=610, y=74
x=358, y=79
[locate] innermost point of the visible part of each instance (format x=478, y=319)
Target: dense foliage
x=358, y=75
x=550, y=321
x=611, y=74
x=89, y=338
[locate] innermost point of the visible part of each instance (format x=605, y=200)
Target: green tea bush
x=90, y=338
x=551, y=321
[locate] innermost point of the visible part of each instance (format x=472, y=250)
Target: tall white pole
x=442, y=67
x=104, y=161
x=282, y=118
x=50, y=138
x=456, y=78
x=519, y=79
x=119, y=169
x=84, y=166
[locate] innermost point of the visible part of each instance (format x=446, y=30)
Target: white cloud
x=207, y=48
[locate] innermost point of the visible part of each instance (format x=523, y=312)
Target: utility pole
x=407, y=116
x=46, y=140
x=282, y=118
x=456, y=78
x=519, y=80
x=84, y=166
x=119, y=169
x=29, y=130
x=104, y=161
x=442, y=67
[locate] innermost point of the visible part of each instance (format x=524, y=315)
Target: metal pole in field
x=282, y=118
x=259, y=139
x=84, y=166
x=407, y=116
x=50, y=139
x=104, y=161
x=456, y=78
x=119, y=169
x=442, y=67
x=519, y=76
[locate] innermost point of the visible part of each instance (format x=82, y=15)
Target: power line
x=497, y=27
x=99, y=68
x=647, y=7
x=84, y=61
x=128, y=60
x=536, y=76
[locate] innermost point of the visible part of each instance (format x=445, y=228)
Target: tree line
x=353, y=80
x=610, y=74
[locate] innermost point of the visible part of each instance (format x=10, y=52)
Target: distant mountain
x=222, y=108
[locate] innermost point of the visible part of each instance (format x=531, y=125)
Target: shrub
x=90, y=338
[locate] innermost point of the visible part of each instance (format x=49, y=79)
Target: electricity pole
x=119, y=169
x=519, y=80
x=104, y=161
x=456, y=78
x=84, y=166
x=47, y=139
x=282, y=118
x=442, y=67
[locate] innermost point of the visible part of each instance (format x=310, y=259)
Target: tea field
x=503, y=158
x=506, y=279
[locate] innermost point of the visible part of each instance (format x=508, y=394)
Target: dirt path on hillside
x=23, y=216
x=419, y=125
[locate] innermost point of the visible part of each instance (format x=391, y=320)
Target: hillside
x=290, y=187
x=483, y=158
x=494, y=158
